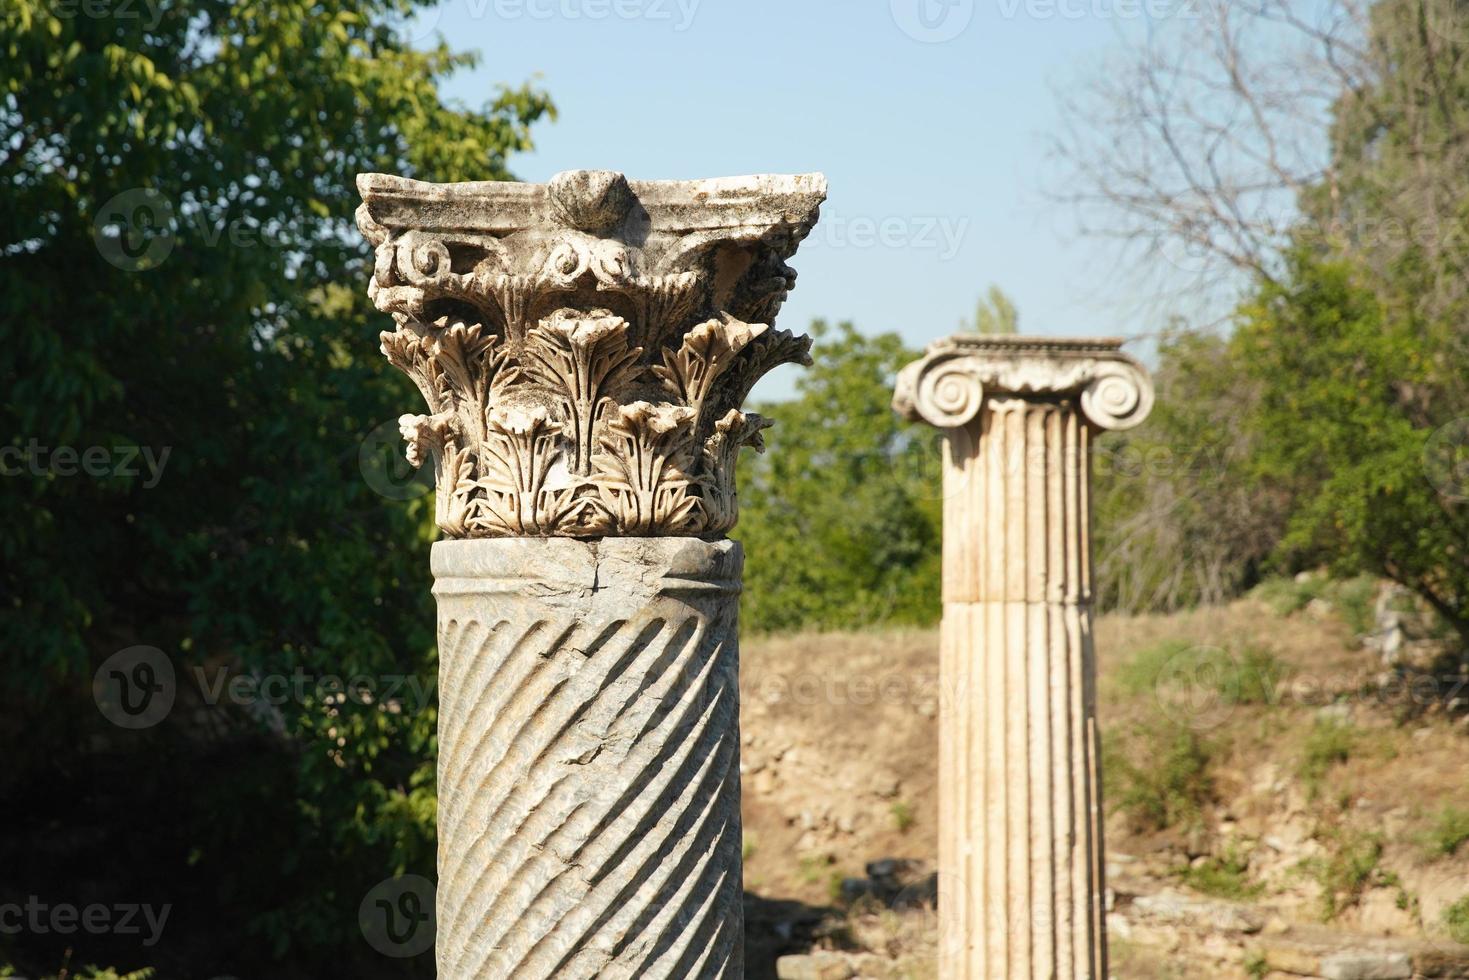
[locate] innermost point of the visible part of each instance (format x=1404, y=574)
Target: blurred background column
x=1021, y=892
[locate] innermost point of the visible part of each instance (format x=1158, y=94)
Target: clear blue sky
x=933, y=149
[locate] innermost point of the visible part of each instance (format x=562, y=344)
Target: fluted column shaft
x=1021, y=891
x=1019, y=796
x=589, y=793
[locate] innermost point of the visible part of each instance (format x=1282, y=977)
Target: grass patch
x=1223, y=876
x=1159, y=776
x=1329, y=743
x=1449, y=832
x=1257, y=967
x=1351, y=599
x=1204, y=674
x=1456, y=918
x=1354, y=599
x=813, y=868
x=1142, y=673
x=902, y=812
x=1345, y=873
x=1288, y=595
x=820, y=869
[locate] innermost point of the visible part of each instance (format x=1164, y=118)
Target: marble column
x=1021, y=890
x=584, y=348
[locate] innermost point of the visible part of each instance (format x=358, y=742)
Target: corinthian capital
x=585, y=346
x=948, y=385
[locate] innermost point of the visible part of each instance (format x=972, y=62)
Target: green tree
x=180, y=273
x=995, y=315
x=1350, y=431
x=1181, y=517
x=840, y=521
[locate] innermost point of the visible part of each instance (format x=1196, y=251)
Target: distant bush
x=1142, y=672
x=1449, y=832
x=902, y=816
x=1350, y=598
x=1180, y=518
x=840, y=520
x=1249, y=676
x=1286, y=595
x=1456, y=917
x=1223, y=875
x=1329, y=743
x=1159, y=775
x=1345, y=872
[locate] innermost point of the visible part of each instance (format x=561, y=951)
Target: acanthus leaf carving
x=644, y=476
x=584, y=348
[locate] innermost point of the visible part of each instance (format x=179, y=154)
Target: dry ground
x=1319, y=797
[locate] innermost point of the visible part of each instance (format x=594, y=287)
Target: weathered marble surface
x=589, y=784
x=585, y=346
x=1021, y=890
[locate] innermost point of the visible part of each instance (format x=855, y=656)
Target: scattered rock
x=1367, y=965
x=814, y=966
x=1318, y=609
x=1172, y=906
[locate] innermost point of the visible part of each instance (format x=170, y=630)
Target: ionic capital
x=947, y=387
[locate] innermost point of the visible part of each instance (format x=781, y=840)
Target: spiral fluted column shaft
x=1020, y=847
x=589, y=795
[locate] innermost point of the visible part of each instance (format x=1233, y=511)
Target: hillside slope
x=1275, y=795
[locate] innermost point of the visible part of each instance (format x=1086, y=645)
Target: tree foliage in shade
x=216, y=309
